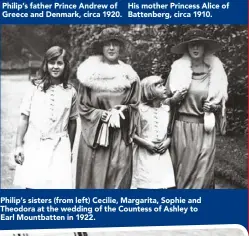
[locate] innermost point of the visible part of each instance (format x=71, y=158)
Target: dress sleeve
x=27, y=100
x=132, y=102
x=90, y=117
x=74, y=108
x=168, y=91
x=221, y=118
x=168, y=101
x=142, y=121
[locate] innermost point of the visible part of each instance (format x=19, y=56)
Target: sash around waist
x=190, y=118
x=35, y=135
x=54, y=135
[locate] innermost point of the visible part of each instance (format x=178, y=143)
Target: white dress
x=153, y=171
x=47, y=152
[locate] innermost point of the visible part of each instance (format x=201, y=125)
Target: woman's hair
x=206, y=47
x=148, y=86
x=98, y=48
x=44, y=77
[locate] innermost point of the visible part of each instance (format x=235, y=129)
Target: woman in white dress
x=47, y=127
x=152, y=163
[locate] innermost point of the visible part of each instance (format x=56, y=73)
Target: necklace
x=199, y=73
x=199, y=69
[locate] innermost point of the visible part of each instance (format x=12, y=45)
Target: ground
x=231, y=156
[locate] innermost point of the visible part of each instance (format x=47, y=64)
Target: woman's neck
x=55, y=81
x=156, y=103
x=197, y=62
x=105, y=60
x=199, y=66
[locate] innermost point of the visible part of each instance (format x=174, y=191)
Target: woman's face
x=196, y=50
x=56, y=67
x=111, y=50
x=160, y=90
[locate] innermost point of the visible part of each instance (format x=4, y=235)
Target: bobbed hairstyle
x=148, y=86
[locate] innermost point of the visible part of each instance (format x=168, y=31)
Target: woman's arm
x=91, y=117
x=176, y=98
x=163, y=146
x=21, y=131
x=145, y=144
x=215, y=107
x=72, y=125
x=209, y=107
x=131, y=122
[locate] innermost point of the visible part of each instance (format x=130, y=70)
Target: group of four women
x=143, y=135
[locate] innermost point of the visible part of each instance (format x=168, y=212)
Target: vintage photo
x=145, y=231
x=124, y=107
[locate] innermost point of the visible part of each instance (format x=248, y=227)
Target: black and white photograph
x=228, y=230
x=124, y=107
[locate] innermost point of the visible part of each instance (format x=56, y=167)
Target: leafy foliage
x=150, y=54
x=22, y=42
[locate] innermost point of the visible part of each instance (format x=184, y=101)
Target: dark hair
x=205, y=45
x=44, y=77
x=97, y=48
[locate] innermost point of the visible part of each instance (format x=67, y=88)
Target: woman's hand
x=163, y=146
x=151, y=147
x=105, y=116
x=19, y=155
x=207, y=106
x=179, y=95
x=210, y=107
x=121, y=108
x=115, y=116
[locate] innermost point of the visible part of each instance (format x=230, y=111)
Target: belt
x=54, y=135
x=190, y=118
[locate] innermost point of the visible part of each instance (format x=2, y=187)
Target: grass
x=231, y=160
x=231, y=154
